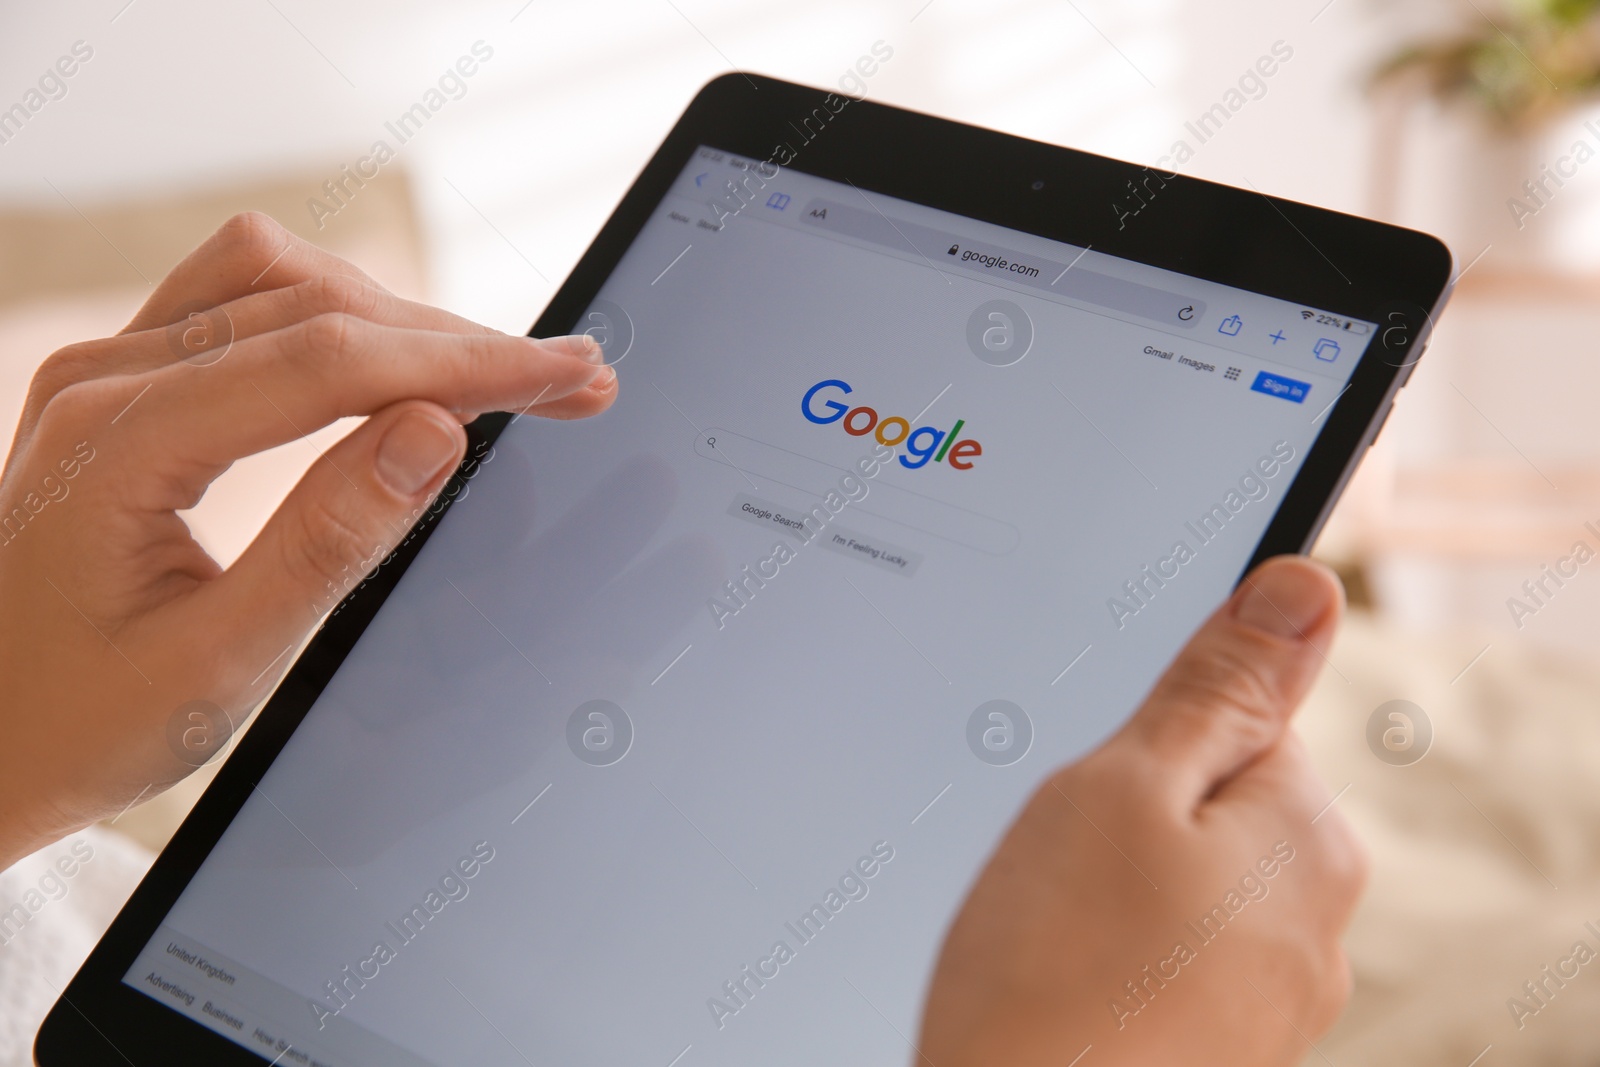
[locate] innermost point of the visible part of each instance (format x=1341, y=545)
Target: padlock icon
x=954, y=249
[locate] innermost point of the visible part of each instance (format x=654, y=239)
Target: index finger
x=283, y=385
x=249, y=253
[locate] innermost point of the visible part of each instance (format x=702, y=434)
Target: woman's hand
x=1177, y=897
x=115, y=617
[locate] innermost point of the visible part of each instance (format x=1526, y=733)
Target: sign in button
x=1279, y=386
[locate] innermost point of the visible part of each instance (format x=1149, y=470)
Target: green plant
x=1533, y=60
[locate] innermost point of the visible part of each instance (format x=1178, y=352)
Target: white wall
x=182, y=93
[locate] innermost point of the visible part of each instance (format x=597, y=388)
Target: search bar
x=944, y=249
x=763, y=462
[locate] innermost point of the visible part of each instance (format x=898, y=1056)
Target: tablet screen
x=683, y=738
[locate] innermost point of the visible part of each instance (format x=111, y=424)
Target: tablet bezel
x=1340, y=263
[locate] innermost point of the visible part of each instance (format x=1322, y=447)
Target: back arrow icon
x=698, y=178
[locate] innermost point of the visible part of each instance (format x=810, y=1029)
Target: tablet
x=676, y=735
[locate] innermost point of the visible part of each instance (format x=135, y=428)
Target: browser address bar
x=944, y=249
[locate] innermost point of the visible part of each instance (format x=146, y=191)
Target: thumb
x=1228, y=697
x=349, y=511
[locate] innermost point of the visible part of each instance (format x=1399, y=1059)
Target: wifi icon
x=1307, y=314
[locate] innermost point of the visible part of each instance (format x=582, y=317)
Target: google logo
x=922, y=444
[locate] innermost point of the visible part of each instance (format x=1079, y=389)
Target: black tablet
x=675, y=736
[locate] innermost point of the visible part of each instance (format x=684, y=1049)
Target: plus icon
x=1276, y=337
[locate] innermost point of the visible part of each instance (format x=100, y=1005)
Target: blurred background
x=1461, y=117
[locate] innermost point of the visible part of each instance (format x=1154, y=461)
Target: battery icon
x=1357, y=327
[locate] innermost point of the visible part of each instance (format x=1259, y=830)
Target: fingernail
x=415, y=453
x=1286, y=598
x=580, y=345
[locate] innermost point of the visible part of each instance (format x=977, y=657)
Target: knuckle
x=1225, y=679
x=1344, y=860
x=337, y=294
x=327, y=552
x=1315, y=976
x=67, y=419
x=252, y=235
x=74, y=406
x=463, y=358
x=1332, y=991
x=330, y=336
x=481, y=349
x=62, y=368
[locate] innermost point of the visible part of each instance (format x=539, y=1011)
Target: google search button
x=1279, y=386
